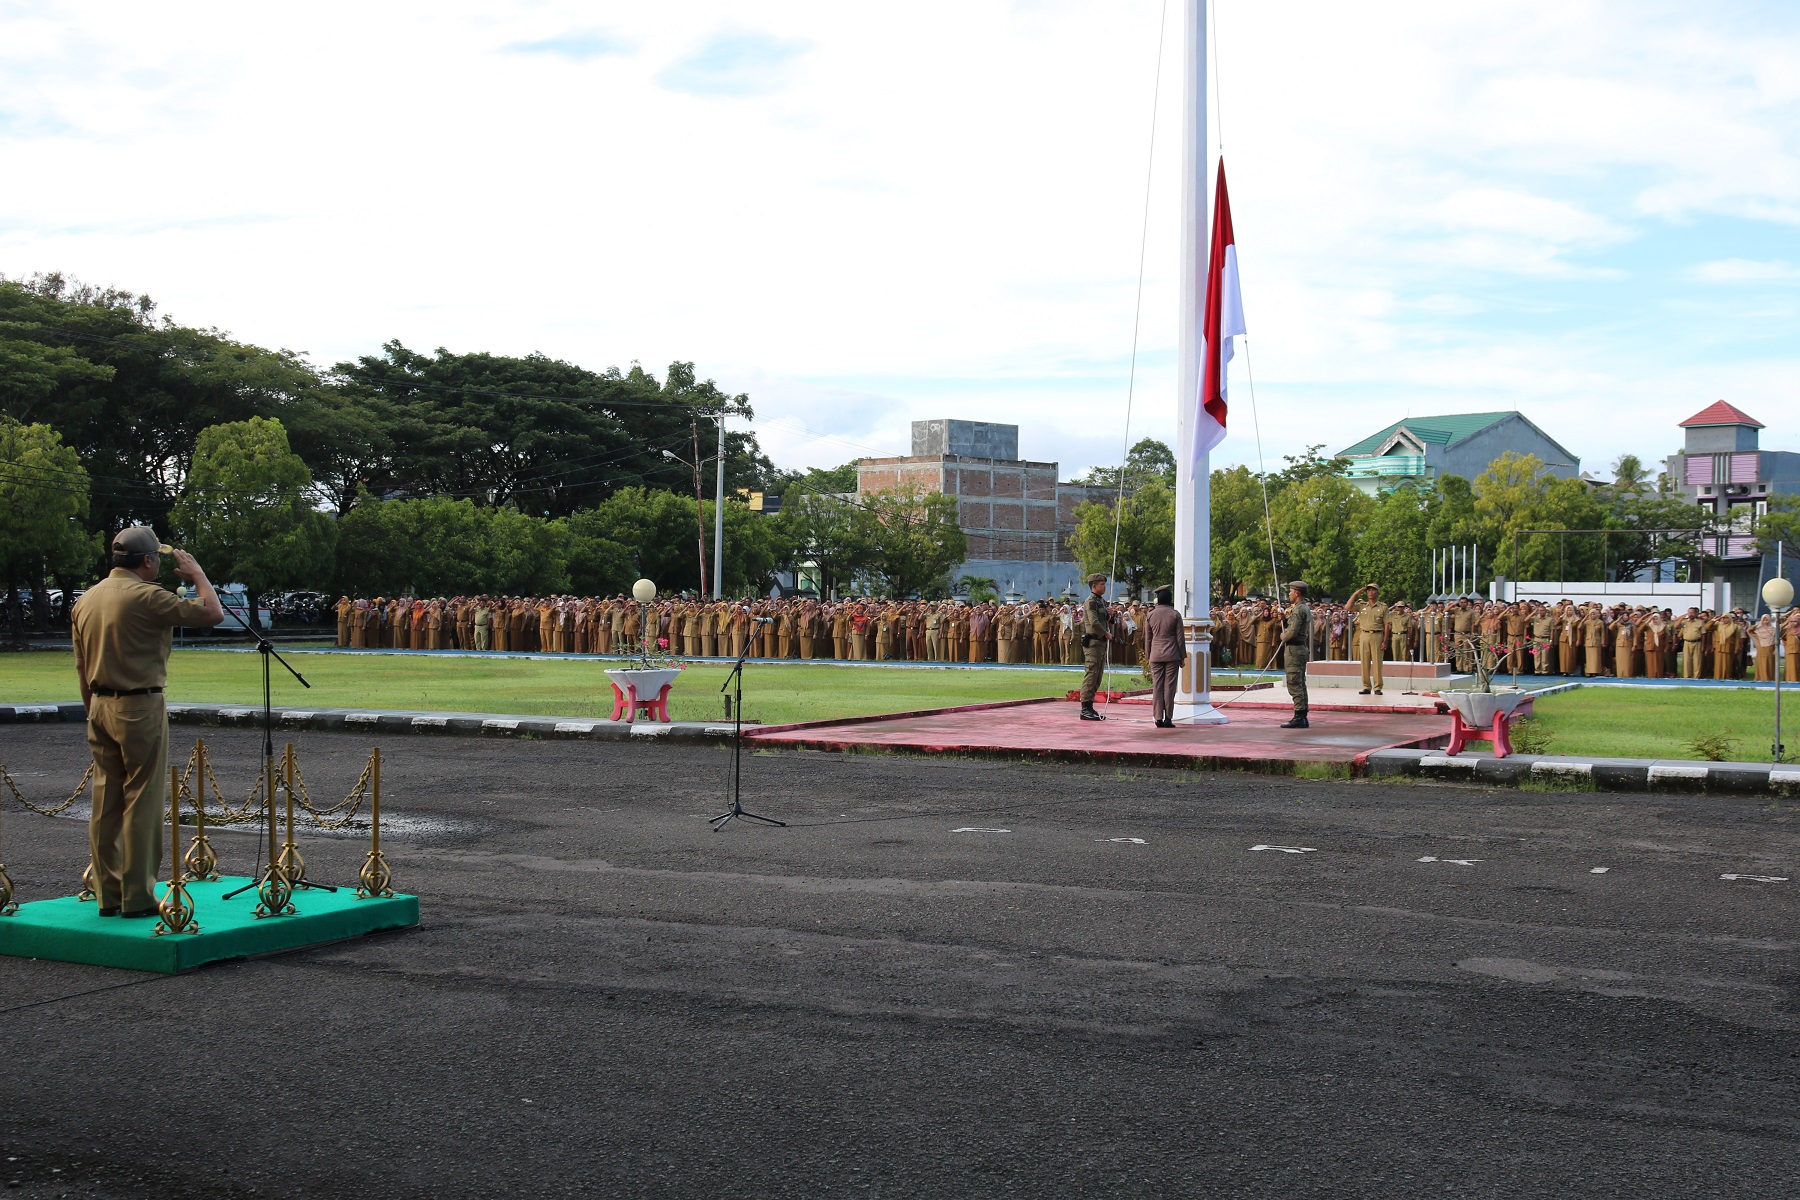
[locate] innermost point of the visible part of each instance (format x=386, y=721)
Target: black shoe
x=1364, y=692
x=1378, y=691
x=142, y=912
x=1165, y=724
x=1088, y=714
x=1296, y=723
x=110, y=912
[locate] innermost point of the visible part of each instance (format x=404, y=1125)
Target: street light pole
x=718, y=590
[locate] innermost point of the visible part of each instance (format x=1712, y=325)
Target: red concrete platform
x=1052, y=729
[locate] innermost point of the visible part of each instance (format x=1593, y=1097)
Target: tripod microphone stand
x=275, y=898
x=737, y=746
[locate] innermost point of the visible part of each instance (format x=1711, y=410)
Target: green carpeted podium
x=71, y=930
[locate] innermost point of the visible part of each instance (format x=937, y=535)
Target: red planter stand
x=1461, y=735
x=627, y=705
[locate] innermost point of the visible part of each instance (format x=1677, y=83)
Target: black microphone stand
x=737, y=748
x=268, y=651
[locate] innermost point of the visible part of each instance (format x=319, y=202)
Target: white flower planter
x=1478, y=709
x=641, y=686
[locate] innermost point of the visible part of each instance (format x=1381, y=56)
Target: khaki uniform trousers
x=1094, y=655
x=1163, y=678
x=1295, y=658
x=129, y=739
x=1369, y=647
x=1690, y=660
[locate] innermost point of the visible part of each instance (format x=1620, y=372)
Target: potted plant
x=646, y=682
x=1481, y=704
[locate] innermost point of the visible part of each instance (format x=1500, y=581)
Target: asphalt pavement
x=944, y=977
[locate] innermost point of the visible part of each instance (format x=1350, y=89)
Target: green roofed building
x=1425, y=448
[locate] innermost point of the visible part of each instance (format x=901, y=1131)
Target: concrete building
x=1424, y=449
x=1017, y=515
x=1722, y=468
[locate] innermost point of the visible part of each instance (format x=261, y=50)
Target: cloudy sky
x=864, y=215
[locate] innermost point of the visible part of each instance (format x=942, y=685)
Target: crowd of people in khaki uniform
x=1533, y=638
x=853, y=630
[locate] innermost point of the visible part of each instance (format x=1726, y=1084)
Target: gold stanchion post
x=293, y=867
x=375, y=880
x=176, y=909
x=7, y=907
x=202, y=863
x=274, y=893
x=87, y=883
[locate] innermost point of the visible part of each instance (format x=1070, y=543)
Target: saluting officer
x=122, y=628
x=1096, y=636
x=1296, y=650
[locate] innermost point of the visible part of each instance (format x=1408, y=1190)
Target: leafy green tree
x=1394, y=549
x=981, y=589
x=1780, y=525
x=43, y=501
x=1317, y=521
x=246, y=512
x=1630, y=552
x=1146, y=536
x=818, y=480
x=917, y=540
x=837, y=538
x=1240, y=539
x=1148, y=459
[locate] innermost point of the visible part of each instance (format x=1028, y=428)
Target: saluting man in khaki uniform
x=1371, y=623
x=122, y=629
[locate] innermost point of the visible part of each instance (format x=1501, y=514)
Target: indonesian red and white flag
x=1221, y=320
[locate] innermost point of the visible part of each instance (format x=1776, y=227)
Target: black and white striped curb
x=1601, y=774
x=338, y=720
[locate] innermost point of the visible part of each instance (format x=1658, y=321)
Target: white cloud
x=1746, y=270
x=862, y=220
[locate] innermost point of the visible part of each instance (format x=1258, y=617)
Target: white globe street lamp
x=643, y=591
x=1778, y=594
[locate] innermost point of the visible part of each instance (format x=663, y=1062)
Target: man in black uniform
x=1296, y=650
x=1096, y=636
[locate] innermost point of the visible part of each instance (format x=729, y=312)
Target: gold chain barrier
x=192, y=785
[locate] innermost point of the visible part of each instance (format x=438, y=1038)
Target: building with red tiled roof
x=1723, y=469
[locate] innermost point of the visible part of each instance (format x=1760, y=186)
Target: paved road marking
x=979, y=829
x=1133, y=841
x=1288, y=849
x=1598, y=870
x=1758, y=878
x=1461, y=862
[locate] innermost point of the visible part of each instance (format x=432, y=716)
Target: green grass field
x=772, y=694
x=1620, y=722
x=1657, y=723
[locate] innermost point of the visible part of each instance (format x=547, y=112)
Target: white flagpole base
x=1193, y=690
x=1202, y=713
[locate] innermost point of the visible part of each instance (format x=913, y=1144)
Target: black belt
x=100, y=691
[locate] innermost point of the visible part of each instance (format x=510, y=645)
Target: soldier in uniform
x=1371, y=622
x=1400, y=628
x=1096, y=636
x=1296, y=649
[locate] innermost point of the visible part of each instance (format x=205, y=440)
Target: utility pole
x=718, y=587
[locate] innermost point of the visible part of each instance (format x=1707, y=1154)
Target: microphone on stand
x=762, y=620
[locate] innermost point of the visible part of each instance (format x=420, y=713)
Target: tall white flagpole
x=1193, y=487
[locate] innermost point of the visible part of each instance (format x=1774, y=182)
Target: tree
x=917, y=540
x=246, y=511
x=1781, y=524
x=816, y=480
x=1317, y=522
x=1240, y=540
x=43, y=501
x=1629, y=552
x=1148, y=459
x=834, y=536
x=1146, y=536
x=1394, y=550
x=1630, y=476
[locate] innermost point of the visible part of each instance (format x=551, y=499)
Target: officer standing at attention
x=1296, y=650
x=1371, y=634
x=1096, y=636
x=1164, y=649
x=122, y=629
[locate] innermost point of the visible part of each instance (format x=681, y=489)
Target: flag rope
x=1137, y=315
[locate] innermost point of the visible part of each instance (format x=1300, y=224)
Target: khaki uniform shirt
x=123, y=627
